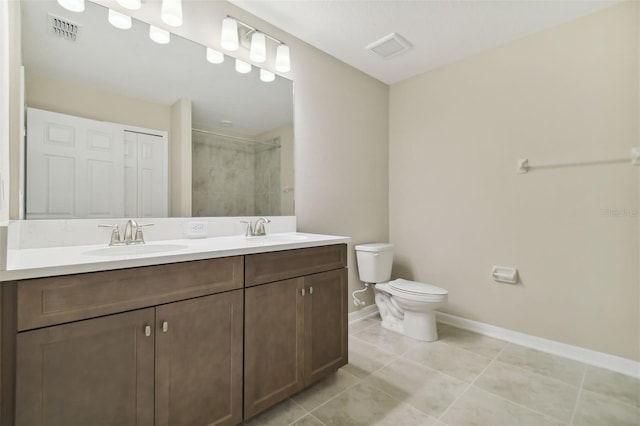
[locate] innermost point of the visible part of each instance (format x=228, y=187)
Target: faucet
x=132, y=233
x=257, y=229
x=129, y=236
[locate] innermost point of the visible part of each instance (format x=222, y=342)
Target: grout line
x=319, y=421
x=471, y=384
x=495, y=359
x=539, y=375
x=575, y=407
x=371, y=385
x=306, y=412
x=547, y=416
x=374, y=345
x=453, y=345
x=362, y=329
x=359, y=381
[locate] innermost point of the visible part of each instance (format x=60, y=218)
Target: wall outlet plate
x=197, y=229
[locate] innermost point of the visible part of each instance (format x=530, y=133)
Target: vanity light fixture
x=130, y=4
x=159, y=35
x=267, y=76
x=214, y=56
x=243, y=67
x=258, y=52
x=236, y=33
x=171, y=12
x=119, y=20
x=283, y=60
x=72, y=5
x=229, y=36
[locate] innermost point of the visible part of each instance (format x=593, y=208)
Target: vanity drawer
x=281, y=265
x=55, y=300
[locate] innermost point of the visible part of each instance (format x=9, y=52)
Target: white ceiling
x=441, y=31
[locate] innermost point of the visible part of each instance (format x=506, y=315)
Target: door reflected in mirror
x=237, y=129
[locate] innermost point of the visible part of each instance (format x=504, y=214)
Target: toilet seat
x=416, y=289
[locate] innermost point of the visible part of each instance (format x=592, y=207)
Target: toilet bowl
x=406, y=307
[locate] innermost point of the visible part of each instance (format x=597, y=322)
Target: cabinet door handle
x=310, y=290
x=147, y=330
x=302, y=291
x=165, y=326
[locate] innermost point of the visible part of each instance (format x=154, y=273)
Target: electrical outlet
x=197, y=229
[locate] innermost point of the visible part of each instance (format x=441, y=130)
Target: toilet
x=406, y=307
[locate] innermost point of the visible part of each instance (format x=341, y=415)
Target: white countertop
x=44, y=262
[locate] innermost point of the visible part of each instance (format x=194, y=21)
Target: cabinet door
x=325, y=323
x=274, y=344
x=199, y=361
x=92, y=372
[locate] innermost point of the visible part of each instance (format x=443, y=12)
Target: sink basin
x=279, y=237
x=134, y=249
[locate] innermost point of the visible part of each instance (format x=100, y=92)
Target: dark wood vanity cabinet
x=177, y=363
x=172, y=344
x=296, y=328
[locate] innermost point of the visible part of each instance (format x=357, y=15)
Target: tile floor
x=462, y=379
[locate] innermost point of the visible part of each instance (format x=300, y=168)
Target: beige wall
x=69, y=98
x=458, y=206
x=342, y=165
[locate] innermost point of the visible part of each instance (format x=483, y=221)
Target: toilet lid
x=413, y=287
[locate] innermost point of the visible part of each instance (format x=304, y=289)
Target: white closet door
x=146, y=175
x=75, y=167
x=130, y=174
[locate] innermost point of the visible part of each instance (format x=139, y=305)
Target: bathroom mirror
x=238, y=128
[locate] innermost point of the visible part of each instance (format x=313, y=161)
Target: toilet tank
x=374, y=262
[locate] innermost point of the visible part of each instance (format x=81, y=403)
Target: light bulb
x=283, y=61
x=72, y=5
x=130, y=4
x=214, y=56
x=258, y=52
x=119, y=20
x=159, y=35
x=242, y=67
x=171, y=12
x=267, y=76
x=229, y=36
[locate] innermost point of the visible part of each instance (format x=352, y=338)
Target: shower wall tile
x=232, y=179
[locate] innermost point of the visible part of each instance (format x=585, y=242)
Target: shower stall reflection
x=235, y=176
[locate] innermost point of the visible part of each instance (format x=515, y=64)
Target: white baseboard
x=587, y=356
x=363, y=313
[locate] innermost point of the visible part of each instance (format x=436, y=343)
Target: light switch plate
x=635, y=155
x=197, y=230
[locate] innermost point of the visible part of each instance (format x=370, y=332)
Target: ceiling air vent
x=389, y=46
x=63, y=28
